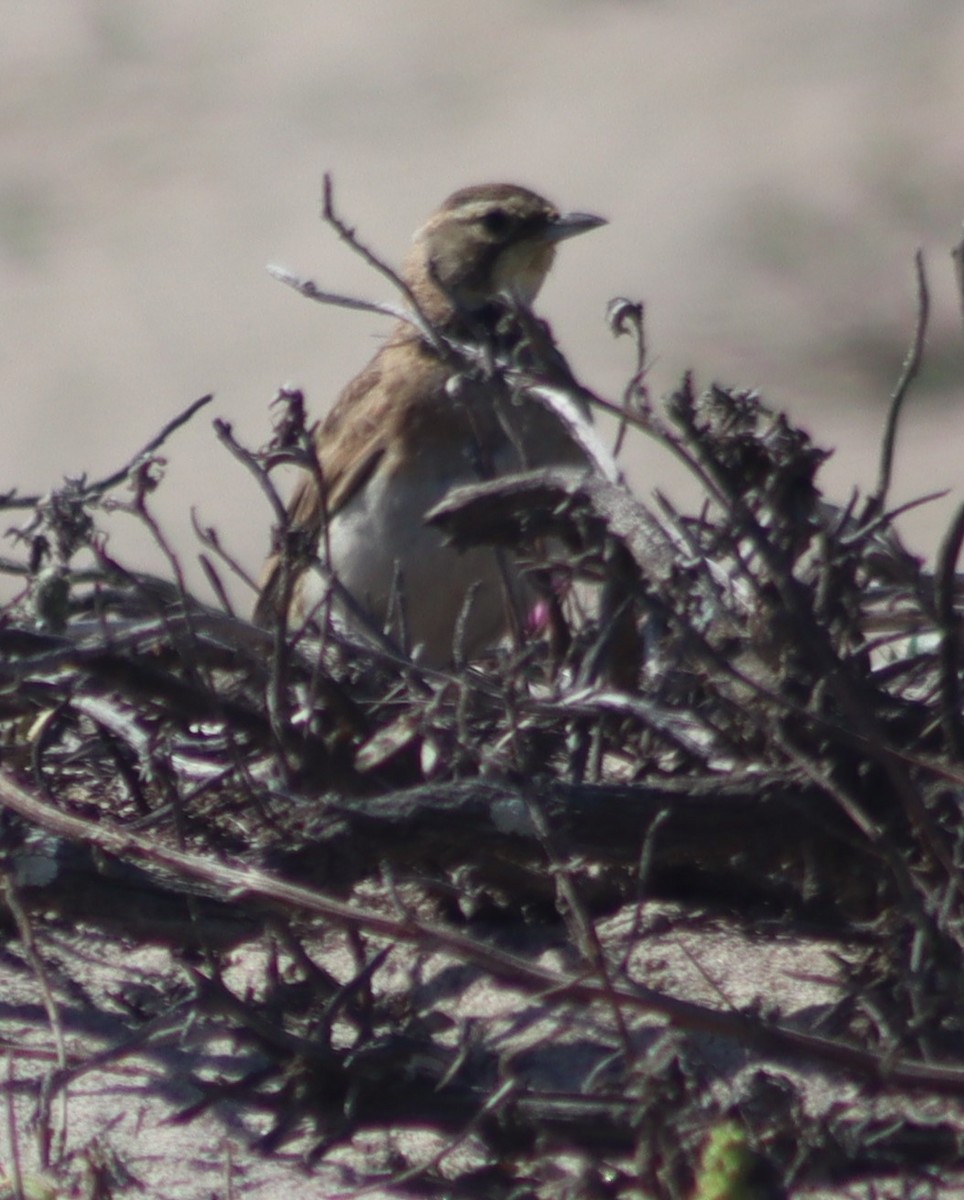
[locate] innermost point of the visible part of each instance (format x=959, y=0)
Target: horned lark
x=416, y=423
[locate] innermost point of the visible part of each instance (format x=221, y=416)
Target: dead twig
x=909, y=372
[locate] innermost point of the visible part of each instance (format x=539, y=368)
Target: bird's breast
x=402, y=572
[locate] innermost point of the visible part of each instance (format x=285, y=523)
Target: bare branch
x=909, y=372
x=309, y=289
x=348, y=235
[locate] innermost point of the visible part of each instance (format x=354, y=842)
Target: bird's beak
x=567, y=225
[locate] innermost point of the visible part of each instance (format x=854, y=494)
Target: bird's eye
x=497, y=221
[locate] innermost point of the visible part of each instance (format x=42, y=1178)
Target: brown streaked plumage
x=397, y=440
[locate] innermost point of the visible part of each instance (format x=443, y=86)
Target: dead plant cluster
x=744, y=720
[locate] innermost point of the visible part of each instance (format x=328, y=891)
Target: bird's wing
x=351, y=444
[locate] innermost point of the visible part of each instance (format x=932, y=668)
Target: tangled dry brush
x=518, y=908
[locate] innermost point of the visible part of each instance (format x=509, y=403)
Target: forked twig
x=351, y=239
x=413, y=314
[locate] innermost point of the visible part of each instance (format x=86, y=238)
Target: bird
x=414, y=423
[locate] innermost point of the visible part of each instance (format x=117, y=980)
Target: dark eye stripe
x=497, y=221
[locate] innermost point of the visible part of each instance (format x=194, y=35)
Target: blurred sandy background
x=768, y=167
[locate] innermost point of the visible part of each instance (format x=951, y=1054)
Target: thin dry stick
x=642, y=879
x=627, y=317
x=208, y=536
x=215, y=581
x=413, y=315
x=13, y=1133
x=861, y=534
x=228, y=1146
x=105, y=485
x=908, y=374
x=27, y=940
x=277, y=690
x=225, y=435
x=311, y=291
x=93, y=490
x=588, y=935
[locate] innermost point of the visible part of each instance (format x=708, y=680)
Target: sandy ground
x=768, y=170
x=121, y=1117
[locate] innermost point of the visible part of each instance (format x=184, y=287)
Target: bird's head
x=487, y=242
